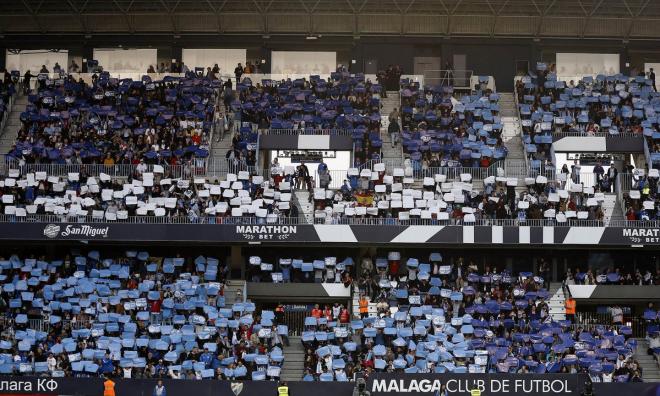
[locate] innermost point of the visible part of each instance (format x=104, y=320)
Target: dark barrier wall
x=308, y=142
x=456, y=385
x=488, y=384
x=355, y=234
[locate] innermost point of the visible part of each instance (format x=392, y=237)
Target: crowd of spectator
x=611, y=276
x=604, y=105
x=343, y=102
x=376, y=194
x=389, y=78
x=434, y=317
x=112, y=121
x=652, y=320
x=439, y=130
x=131, y=316
x=149, y=191
x=642, y=201
x=287, y=270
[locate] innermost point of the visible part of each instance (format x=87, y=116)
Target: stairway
x=388, y=152
x=650, y=369
x=556, y=302
x=511, y=136
x=617, y=210
x=219, y=149
x=8, y=136
x=294, y=360
x=611, y=209
x=305, y=208
x=356, y=304
x=303, y=214
x=234, y=292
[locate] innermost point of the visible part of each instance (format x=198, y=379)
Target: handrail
x=10, y=108
x=117, y=170
x=583, y=134
x=449, y=77
x=647, y=155
x=286, y=221
x=307, y=131
x=522, y=133
x=217, y=167
x=619, y=194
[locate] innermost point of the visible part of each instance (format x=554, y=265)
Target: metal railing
x=590, y=321
x=459, y=79
x=370, y=221
x=307, y=131
x=10, y=106
x=601, y=134
x=196, y=167
x=220, y=167
x=627, y=181
x=647, y=155
x=295, y=320
x=619, y=194
x=522, y=133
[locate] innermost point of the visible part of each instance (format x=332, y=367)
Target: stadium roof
x=619, y=19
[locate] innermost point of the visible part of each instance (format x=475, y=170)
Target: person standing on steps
x=238, y=72
x=393, y=127
x=569, y=304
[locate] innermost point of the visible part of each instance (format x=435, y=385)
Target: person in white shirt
x=52, y=363
x=617, y=315
x=128, y=372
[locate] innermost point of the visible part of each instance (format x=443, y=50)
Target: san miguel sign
x=266, y=232
x=83, y=231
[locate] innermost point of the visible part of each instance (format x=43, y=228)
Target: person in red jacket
x=344, y=317
x=327, y=313
x=317, y=312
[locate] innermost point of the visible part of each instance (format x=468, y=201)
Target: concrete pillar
x=237, y=261
x=509, y=264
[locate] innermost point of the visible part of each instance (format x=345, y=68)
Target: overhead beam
x=587, y=19
x=542, y=17
x=33, y=15
x=633, y=18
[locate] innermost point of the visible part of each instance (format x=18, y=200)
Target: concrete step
x=294, y=358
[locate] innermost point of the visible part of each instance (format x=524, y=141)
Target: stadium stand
x=132, y=316
x=442, y=131
x=114, y=121
x=604, y=105
x=442, y=318
x=641, y=203
x=375, y=194
x=102, y=198
x=342, y=102
x=287, y=215
x=326, y=270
